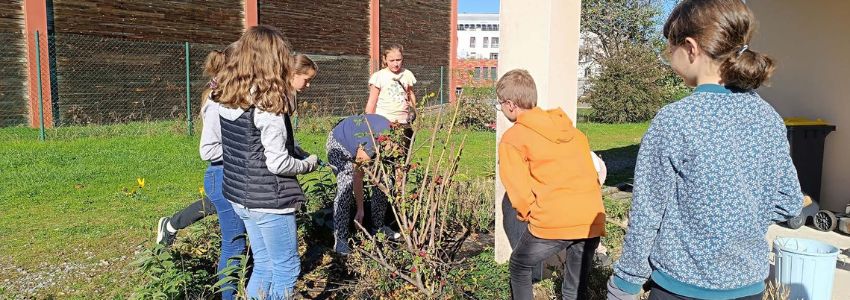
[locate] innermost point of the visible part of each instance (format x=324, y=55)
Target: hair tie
x=213, y=84
x=744, y=48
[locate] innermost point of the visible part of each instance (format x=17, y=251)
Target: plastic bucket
x=805, y=266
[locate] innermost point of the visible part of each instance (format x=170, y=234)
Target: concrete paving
x=841, y=285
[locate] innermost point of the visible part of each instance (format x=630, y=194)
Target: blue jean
x=274, y=246
x=232, y=227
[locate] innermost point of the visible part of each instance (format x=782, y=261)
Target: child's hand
x=312, y=163
x=358, y=216
x=806, y=200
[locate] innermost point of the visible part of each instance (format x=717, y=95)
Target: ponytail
x=746, y=69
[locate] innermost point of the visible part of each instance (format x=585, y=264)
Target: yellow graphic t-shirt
x=392, y=100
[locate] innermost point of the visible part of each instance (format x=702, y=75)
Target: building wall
x=810, y=42
x=464, y=74
x=210, y=22
x=339, y=45
x=13, y=78
x=480, y=52
x=320, y=28
x=478, y=26
x=424, y=29
x=125, y=61
x=117, y=62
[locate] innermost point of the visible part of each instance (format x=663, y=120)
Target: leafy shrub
x=421, y=263
x=186, y=270
x=477, y=110
x=631, y=86
x=477, y=206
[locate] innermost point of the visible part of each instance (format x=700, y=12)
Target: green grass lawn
x=64, y=199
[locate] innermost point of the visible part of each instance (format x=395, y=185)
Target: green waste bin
x=807, y=138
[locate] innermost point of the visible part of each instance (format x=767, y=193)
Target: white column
x=541, y=36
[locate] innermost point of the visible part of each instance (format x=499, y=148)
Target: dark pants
x=515, y=229
x=192, y=213
x=659, y=293
x=532, y=250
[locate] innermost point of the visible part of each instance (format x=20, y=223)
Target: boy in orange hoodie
x=552, y=183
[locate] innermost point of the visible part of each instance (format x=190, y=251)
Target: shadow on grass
x=620, y=162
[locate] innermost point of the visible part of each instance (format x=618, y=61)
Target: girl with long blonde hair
x=260, y=157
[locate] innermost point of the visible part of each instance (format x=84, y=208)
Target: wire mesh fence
x=13, y=103
x=103, y=86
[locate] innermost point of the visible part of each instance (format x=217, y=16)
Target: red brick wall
x=328, y=27
x=464, y=73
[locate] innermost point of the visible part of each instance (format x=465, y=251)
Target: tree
x=612, y=25
x=630, y=87
x=622, y=40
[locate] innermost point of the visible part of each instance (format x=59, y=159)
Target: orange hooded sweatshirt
x=545, y=165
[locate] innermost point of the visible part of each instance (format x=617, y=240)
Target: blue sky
x=492, y=6
x=478, y=6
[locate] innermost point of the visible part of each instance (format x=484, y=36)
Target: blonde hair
x=390, y=48
x=723, y=29
x=517, y=86
x=302, y=64
x=215, y=62
x=258, y=72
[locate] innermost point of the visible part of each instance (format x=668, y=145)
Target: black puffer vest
x=247, y=180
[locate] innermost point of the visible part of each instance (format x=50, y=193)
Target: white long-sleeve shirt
x=210, y=147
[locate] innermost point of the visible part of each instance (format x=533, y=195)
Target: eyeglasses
x=499, y=105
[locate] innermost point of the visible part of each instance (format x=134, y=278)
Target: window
x=494, y=42
x=486, y=41
x=472, y=42
x=493, y=73
x=494, y=55
x=486, y=73
x=587, y=72
x=477, y=73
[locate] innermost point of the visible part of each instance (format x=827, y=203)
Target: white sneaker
x=391, y=234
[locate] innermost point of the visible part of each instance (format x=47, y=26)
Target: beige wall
x=542, y=38
x=811, y=41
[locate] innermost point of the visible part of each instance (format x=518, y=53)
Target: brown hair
x=723, y=29
x=215, y=62
x=258, y=72
x=302, y=64
x=390, y=48
x=518, y=86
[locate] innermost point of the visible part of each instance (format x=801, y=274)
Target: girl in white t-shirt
x=391, y=88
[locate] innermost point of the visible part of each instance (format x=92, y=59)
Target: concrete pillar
x=544, y=39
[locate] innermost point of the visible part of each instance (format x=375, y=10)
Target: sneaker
x=163, y=236
x=341, y=247
x=389, y=233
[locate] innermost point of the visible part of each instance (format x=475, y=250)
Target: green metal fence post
x=442, y=70
x=41, y=135
x=188, y=92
